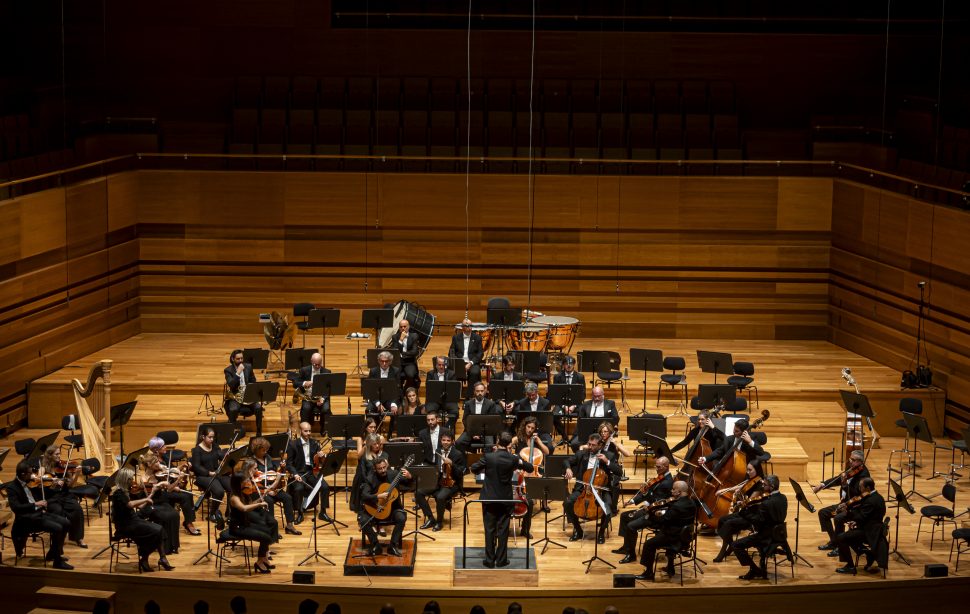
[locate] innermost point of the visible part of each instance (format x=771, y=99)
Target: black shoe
x=143, y=565
x=190, y=529
x=292, y=531
x=488, y=563
x=627, y=559
x=61, y=564
x=528, y=536
x=646, y=576
x=848, y=569
x=374, y=550
x=827, y=546
x=80, y=544
x=504, y=563
x=576, y=536
x=720, y=557
x=299, y=518
x=753, y=574
x=436, y=527
x=164, y=564
x=833, y=553
x=428, y=523
x=620, y=550
x=382, y=532
x=393, y=551
x=600, y=539
x=324, y=516
x=258, y=569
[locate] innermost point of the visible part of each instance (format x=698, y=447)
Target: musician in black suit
x=597, y=407
x=867, y=516
x=442, y=373
x=430, y=437
x=530, y=404
x=830, y=518
x=450, y=462
x=764, y=515
x=748, y=443
x=302, y=454
x=30, y=515
x=592, y=456
x=670, y=530
x=384, y=370
x=569, y=375
x=238, y=376
x=731, y=524
x=408, y=343
x=370, y=495
x=303, y=381
x=478, y=405
x=468, y=346
x=631, y=523
x=498, y=467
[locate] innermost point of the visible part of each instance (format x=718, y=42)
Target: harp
x=93, y=403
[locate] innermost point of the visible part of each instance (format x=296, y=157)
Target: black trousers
x=167, y=517
x=497, y=518
x=369, y=526
x=757, y=540
x=631, y=523
x=467, y=443
x=285, y=500
x=68, y=506
x=729, y=526
x=853, y=539
x=183, y=500
x=308, y=410
x=441, y=497
x=830, y=524
x=300, y=490
x=255, y=532
x=56, y=525
x=234, y=410
x=220, y=485
x=658, y=542
x=148, y=536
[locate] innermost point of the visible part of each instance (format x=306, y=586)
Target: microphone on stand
x=348, y=406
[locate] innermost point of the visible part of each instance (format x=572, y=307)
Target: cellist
x=750, y=445
x=592, y=459
x=528, y=446
x=302, y=453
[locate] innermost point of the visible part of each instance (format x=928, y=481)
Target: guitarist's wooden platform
x=359, y=563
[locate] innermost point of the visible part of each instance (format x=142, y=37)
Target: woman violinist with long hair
x=247, y=514
x=148, y=536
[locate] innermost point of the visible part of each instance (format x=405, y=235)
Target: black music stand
x=213, y=517
x=277, y=444
x=328, y=385
x=350, y=425
x=505, y=317
x=297, y=358
x=381, y=390
x=398, y=451
x=409, y=426
x=855, y=403
x=376, y=319
x=592, y=362
x=919, y=430
x=457, y=366
x=511, y=390
x=261, y=392
x=484, y=425
x=544, y=420
x=3, y=456
x=424, y=478
x=715, y=362
x=233, y=457
x=41, y=445
x=258, y=358
x=323, y=318
x=802, y=502
x=120, y=415
x=587, y=426
x=901, y=502
x=562, y=396
x=712, y=395
x=132, y=459
x=331, y=465
x=551, y=489
x=442, y=393
x=526, y=361
x=372, y=354
x=646, y=360
x=639, y=428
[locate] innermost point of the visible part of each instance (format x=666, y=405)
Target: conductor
x=498, y=467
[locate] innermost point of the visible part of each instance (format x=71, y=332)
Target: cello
x=534, y=457
x=586, y=506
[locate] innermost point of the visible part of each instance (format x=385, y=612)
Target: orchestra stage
x=798, y=382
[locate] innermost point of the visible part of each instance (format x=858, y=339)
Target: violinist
x=830, y=518
x=498, y=467
x=240, y=374
x=408, y=343
x=731, y=524
x=478, y=405
x=147, y=484
x=253, y=492
x=750, y=445
x=593, y=458
x=371, y=495
x=451, y=469
x=205, y=458
x=247, y=519
x=527, y=435
x=30, y=515
x=173, y=480
x=269, y=476
x=302, y=455
x=765, y=514
x=60, y=499
x=304, y=381
x=670, y=524
x=631, y=523
x=148, y=536
x=864, y=514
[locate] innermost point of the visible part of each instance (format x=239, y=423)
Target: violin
x=646, y=486
x=46, y=480
x=68, y=465
x=445, y=480
x=753, y=500
x=656, y=505
x=850, y=503
x=842, y=478
x=249, y=488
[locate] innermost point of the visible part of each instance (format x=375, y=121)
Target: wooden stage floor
x=798, y=381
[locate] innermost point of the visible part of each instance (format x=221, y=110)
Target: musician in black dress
x=591, y=458
x=631, y=523
x=468, y=346
x=526, y=444
x=238, y=376
x=407, y=342
x=31, y=515
x=498, y=467
x=866, y=519
x=303, y=381
x=670, y=524
x=451, y=463
x=148, y=536
x=270, y=487
x=384, y=370
x=301, y=454
x=830, y=518
x=247, y=519
x=60, y=499
x=478, y=405
x=731, y=524
x=371, y=495
x=206, y=457
x=161, y=511
x=764, y=515
x=174, y=484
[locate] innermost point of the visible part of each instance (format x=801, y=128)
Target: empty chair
x=939, y=514
x=743, y=381
x=673, y=379
x=302, y=310
x=614, y=375
x=71, y=423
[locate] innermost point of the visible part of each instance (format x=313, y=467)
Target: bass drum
x=562, y=332
x=421, y=322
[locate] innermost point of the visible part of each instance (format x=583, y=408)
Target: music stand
x=41, y=445
x=457, y=366
x=901, y=502
x=506, y=317
x=398, y=451
x=526, y=361
x=257, y=358
x=544, y=420
x=326, y=386
x=858, y=404
x=919, y=430
x=409, y=426
x=506, y=390
x=376, y=319
x=592, y=362
x=551, y=489
x=715, y=362
x=224, y=431
x=638, y=428
x=297, y=358
x=232, y=457
x=802, y=502
x=708, y=395
x=372, y=354
x=484, y=425
x=261, y=392
x=277, y=444
x=425, y=479
x=564, y=395
x=646, y=360
x=331, y=465
x=442, y=393
x=120, y=415
x=323, y=318
x=587, y=426
x=349, y=425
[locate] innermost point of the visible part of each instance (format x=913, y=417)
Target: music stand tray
x=277, y=444
x=802, y=502
x=589, y=361
x=564, y=395
x=224, y=431
x=484, y=425
x=448, y=391
x=646, y=360
x=376, y=319
x=398, y=451
x=323, y=318
x=233, y=457
x=261, y=392
x=715, y=362
x=637, y=427
x=372, y=354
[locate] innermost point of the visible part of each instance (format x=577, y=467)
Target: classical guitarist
x=381, y=498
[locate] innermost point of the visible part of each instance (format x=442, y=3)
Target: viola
x=646, y=486
x=445, y=480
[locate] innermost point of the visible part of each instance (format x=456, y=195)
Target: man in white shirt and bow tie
x=597, y=407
